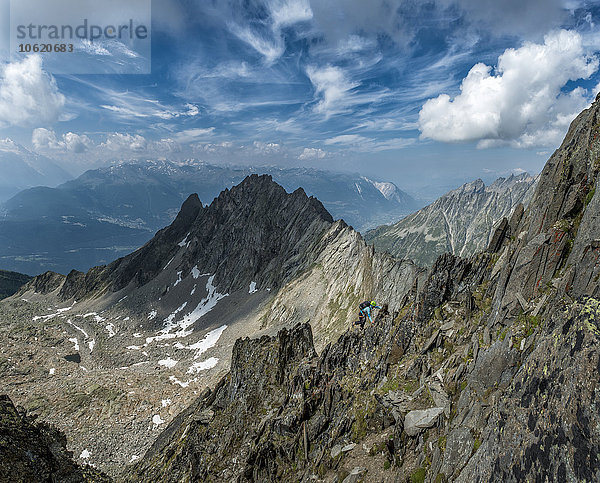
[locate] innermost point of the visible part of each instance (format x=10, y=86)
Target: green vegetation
x=590, y=196
x=482, y=302
x=363, y=410
x=526, y=327
x=502, y=334
x=476, y=444
x=442, y=443
x=562, y=225
x=418, y=476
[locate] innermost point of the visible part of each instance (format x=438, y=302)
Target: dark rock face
x=107, y=213
x=253, y=232
x=35, y=452
x=559, y=235
x=11, y=282
x=545, y=427
x=237, y=419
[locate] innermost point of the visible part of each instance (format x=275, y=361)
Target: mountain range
x=484, y=368
x=461, y=222
x=160, y=323
x=109, y=212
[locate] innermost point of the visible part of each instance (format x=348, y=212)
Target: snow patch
x=152, y=314
x=157, y=420
x=168, y=362
x=184, y=241
x=174, y=380
x=76, y=342
x=252, y=288
x=50, y=316
x=85, y=454
x=209, y=363
x=193, y=290
x=78, y=328
x=91, y=344
x=168, y=263
x=52, y=371
x=97, y=318
x=165, y=402
x=64, y=309
x=208, y=341
x=133, y=458
x=178, y=278
x=181, y=327
x=110, y=327
x=196, y=273
x=125, y=319
x=133, y=347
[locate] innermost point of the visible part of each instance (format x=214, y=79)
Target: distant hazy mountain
x=109, y=212
x=10, y=282
x=22, y=169
x=460, y=222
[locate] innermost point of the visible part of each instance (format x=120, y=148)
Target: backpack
x=364, y=305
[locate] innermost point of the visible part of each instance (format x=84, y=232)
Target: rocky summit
x=484, y=368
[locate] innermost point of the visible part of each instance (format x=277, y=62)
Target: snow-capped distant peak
x=387, y=189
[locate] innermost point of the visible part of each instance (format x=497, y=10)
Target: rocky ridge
x=488, y=371
x=461, y=222
x=131, y=344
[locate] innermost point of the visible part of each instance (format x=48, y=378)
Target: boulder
x=416, y=421
x=357, y=474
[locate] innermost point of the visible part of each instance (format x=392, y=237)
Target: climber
x=364, y=311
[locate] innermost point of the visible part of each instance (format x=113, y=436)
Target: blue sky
x=425, y=94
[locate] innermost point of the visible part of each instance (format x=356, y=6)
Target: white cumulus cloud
x=520, y=102
x=312, y=153
x=124, y=141
x=28, y=94
x=46, y=139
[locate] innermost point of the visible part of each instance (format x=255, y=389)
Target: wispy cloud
x=190, y=135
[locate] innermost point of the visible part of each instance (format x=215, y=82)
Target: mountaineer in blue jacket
x=365, y=310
